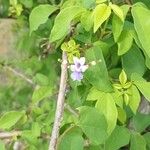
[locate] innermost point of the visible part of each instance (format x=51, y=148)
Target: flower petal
x=75, y=68
x=82, y=60
x=77, y=76
x=84, y=68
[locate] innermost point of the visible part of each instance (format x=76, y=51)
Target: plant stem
x=61, y=3
x=60, y=104
x=8, y=135
x=104, y=28
x=19, y=74
x=71, y=110
x=129, y=2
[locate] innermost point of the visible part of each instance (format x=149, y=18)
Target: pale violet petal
x=75, y=68
x=82, y=60
x=78, y=69
x=84, y=68
x=80, y=77
x=77, y=76
x=73, y=76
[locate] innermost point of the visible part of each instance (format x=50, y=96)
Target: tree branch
x=8, y=135
x=71, y=110
x=60, y=104
x=129, y=2
x=19, y=74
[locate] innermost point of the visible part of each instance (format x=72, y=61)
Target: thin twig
x=86, y=143
x=71, y=110
x=19, y=74
x=60, y=104
x=67, y=106
x=8, y=135
x=128, y=2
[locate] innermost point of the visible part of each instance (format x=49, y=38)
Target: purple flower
x=77, y=76
x=78, y=68
x=79, y=64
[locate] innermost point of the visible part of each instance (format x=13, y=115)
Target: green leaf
x=133, y=61
x=13, y=2
x=142, y=85
x=117, y=24
x=147, y=61
x=93, y=124
x=36, y=129
x=92, y=147
x=121, y=115
x=22, y=120
x=136, y=77
x=137, y=41
x=101, y=13
x=141, y=122
x=127, y=85
x=105, y=46
x=2, y=145
x=63, y=22
x=9, y=119
x=88, y=4
x=15, y=9
x=144, y=88
x=137, y=142
x=123, y=77
x=107, y=107
x=117, y=96
x=126, y=98
x=119, y=138
x=142, y=23
x=118, y=11
x=41, y=79
x=74, y=98
x=27, y=3
x=27, y=135
x=125, y=42
x=147, y=137
x=135, y=99
x=100, y=1
x=41, y=93
x=39, y=15
x=71, y=140
x=98, y=75
x=94, y=94
x=87, y=20
x=72, y=49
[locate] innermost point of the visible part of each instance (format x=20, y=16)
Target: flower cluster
x=78, y=68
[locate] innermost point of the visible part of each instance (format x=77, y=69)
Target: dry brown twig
x=129, y=2
x=9, y=135
x=19, y=74
x=60, y=103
